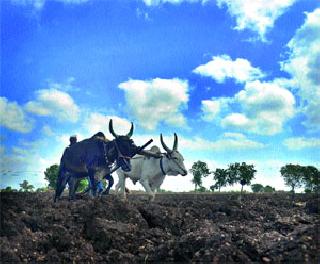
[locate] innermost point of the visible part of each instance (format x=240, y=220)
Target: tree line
x=294, y=176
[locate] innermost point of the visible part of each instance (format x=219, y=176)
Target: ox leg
x=117, y=187
x=123, y=188
x=146, y=185
x=72, y=182
x=76, y=185
x=61, y=185
x=110, y=183
x=92, y=183
x=121, y=185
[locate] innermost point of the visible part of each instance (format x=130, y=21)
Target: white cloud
x=235, y=120
x=226, y=142
x=54, y=103
x=258, y=15
x=266, y=106
x=47, y=131
x=13, y=117
x=97, y=122
x=39, y=4
x=17, y=166
x=298, y=143
x=175, y=2
x=222, y=67
x=304, y=64
x=156, y=100
x=234, y=135
x=212, y=108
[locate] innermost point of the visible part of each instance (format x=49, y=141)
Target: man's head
x=73, y=139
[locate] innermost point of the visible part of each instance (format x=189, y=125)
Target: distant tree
x=8, y=189
x=42, y=189
x=199, y=169
x=311, y=179
x=257, y=188
x=202, y=189
x=268, y=188
x=240, y=173
x=159, y=190
x=293, y=176
x=83, y=185
x=51, y=175
x=221, y=178
x=26, y=187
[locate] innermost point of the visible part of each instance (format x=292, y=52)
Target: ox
x=92, y=158
x=150, y=172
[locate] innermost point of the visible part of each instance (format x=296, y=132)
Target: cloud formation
x=258, y=16
x=157, y=100
x=223, y=67
x=303, y=64
x=175, y=2
x=266, y=107
x=211, y=109
x=227, y=142
x=54, y=103
x=97, y=122
x=12, y=116
x=298, y=143
x=39, y=4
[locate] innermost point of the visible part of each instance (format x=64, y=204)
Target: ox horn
x=175, y=143
x=111, y=129
x=131, y=131
x=164, y=145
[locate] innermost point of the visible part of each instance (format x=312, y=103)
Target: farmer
x=100, y=185
x=73, y=140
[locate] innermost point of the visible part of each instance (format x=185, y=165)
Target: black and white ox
x=150, y=172
x=92, y=158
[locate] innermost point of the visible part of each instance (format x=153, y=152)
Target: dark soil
x=183, y=228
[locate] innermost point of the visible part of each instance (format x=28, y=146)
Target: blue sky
x=237, y=80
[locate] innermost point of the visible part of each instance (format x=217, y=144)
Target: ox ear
x=131, y=131
x=175, y=143
x=164, y=145
x=111, y=129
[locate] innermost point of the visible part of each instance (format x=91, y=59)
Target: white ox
x=150, y=172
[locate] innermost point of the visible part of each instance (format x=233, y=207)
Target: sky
x=237, y=80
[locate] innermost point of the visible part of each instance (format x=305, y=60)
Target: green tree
x=257, y=188
x=268, y=188
x=199, y=169
x=83, y=184
x=26, y=187
x=293, y=176
x=241, y=173
x=202, y=189
x=311, y=179
x=42, y=189
x=51, y=175
x=221, y=178
x=8, y=189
